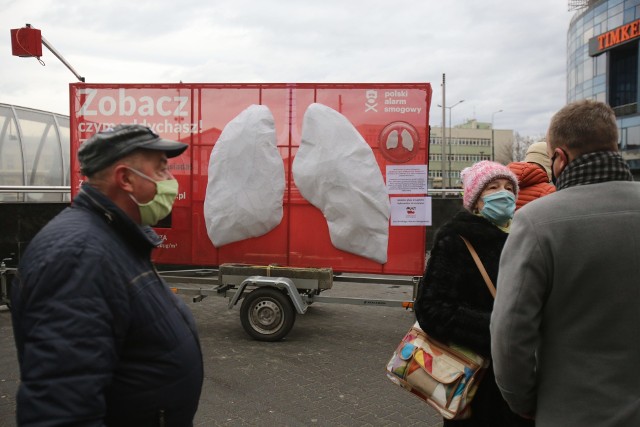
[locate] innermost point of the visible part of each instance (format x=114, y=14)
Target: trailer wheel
x=267, y=314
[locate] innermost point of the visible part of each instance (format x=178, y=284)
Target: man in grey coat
x=565, y=328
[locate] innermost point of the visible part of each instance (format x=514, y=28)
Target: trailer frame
x=265, y=314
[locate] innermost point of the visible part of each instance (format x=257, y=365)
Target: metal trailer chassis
x=270, y=303
x=6, y=274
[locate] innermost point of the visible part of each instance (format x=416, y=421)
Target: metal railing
x=445, y=192
x=65, y=189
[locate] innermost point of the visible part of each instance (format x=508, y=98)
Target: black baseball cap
x=104, y=148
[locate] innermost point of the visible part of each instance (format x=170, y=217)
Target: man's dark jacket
x=100, y=337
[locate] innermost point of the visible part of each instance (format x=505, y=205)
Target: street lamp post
x=493, y=150
x=450, y=126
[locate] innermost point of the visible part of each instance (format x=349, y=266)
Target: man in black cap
x=100, y=337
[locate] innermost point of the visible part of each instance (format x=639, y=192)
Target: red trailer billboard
x=197, y=113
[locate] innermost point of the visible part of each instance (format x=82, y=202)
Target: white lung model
x=407, y=140
x=246, y=179
x=392, y=139
x=336, y=171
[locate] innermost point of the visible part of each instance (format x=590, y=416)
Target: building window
x=623, y=78
x=633, y=137
x=601, y=65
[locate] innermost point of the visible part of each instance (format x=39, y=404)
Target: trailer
x=272, y=296
x=278, y=274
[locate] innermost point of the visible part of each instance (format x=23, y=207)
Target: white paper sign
x=407, y=179
x=407, y=211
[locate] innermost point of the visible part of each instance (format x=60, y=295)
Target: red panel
x=310, y=242
x=176, y=239
x=202, y=251
x=197, y=113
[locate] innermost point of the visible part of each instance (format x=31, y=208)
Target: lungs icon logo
x=399, y=142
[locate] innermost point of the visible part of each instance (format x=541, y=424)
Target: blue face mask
x=499, y=207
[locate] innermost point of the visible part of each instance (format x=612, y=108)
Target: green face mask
x=160, y=206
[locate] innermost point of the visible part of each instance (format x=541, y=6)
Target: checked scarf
x=592, y=168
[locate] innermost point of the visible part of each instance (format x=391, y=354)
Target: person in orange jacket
x=533, y=174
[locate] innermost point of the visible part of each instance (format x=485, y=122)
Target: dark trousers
x=489, y=409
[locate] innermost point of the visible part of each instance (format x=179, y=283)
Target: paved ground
x=329, y=371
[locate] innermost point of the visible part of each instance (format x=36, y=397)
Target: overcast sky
x=497, y=54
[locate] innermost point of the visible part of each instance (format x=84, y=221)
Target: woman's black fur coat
x=454, y=305
x=453, y=302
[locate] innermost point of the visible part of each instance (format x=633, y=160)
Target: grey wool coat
x=565, y=328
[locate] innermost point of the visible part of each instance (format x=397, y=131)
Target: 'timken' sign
x=616, y=37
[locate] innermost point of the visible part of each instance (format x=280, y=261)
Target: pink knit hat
x=476, y=177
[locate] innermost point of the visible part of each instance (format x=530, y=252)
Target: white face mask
x=161, y=204
x=499, y=207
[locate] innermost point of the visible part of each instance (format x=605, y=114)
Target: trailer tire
x=267, y=314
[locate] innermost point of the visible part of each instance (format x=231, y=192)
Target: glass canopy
x=34, y=151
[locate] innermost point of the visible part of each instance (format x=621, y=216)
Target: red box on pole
x=26, y=42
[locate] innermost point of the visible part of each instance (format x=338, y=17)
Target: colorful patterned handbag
x=444, y=376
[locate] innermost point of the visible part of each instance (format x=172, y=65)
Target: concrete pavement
x=329, y=370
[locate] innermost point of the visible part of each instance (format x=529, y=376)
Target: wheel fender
x=276, y=282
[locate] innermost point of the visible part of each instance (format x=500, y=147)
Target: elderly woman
x=453, y=303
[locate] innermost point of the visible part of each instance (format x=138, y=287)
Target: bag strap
x=485, y=276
